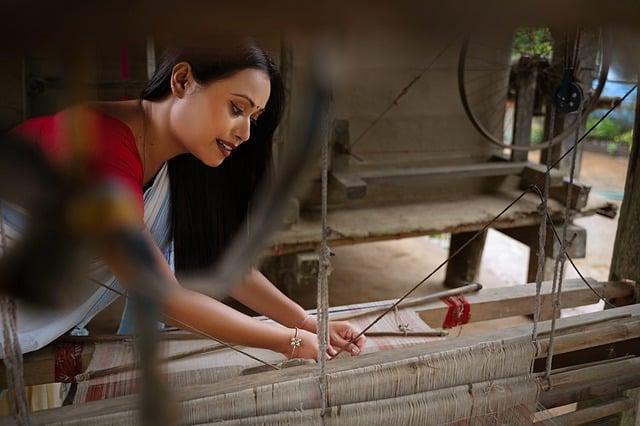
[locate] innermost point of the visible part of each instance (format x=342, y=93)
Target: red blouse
x=110, y=145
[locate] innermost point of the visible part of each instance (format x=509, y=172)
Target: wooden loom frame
x=610, y=332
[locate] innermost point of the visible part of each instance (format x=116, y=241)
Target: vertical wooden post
x=526, y=90
x=626, y=249
x=465, y=267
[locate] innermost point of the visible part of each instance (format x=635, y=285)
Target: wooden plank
x=491, y=169
x=608, y=385
x=350, y=184
x=579, y=193
x=503, y=302
x=593, y=336
x=534, y=174
x=595, y=412
x=357, y=225
x=585, y=376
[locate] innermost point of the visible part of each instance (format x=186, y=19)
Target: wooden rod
x=416, y=301
x=587, y=415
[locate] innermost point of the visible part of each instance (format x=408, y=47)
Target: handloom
x=441, y=375
x=481, y=379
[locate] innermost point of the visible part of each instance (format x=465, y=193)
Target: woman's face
x=213, y=119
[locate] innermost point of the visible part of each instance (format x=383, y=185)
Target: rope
x=542, y=239
x=11, y=348
x=558, y=270
x=324, y=270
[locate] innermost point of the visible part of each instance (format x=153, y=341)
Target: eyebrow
x=253, y=104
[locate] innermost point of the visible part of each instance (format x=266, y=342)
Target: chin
x=214, y=162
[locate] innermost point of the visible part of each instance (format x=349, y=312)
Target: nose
x=243, y=130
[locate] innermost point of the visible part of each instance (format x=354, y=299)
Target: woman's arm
x=204, y=315
x=258, y=293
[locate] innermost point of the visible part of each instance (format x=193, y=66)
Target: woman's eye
x=236, y=110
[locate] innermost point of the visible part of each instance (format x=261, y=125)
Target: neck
x=158, y=143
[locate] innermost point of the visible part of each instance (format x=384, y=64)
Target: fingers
x=332, y=351
x=341, y=335
x=347, y=346
x=360, y=342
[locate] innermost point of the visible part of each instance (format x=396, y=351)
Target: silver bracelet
x=296, y=342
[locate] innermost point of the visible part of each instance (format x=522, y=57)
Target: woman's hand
x=340, y=333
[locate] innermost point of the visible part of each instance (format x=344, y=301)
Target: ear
x=181, y=79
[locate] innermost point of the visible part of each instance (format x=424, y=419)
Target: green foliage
x=537, y=132
x=624, y=138
x=606, y=130
x=532, y=42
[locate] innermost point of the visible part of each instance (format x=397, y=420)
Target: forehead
x=249, y=82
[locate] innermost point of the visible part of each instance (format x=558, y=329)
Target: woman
x=210, y=117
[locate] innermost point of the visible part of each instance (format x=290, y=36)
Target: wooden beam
x=491, y=169
x=626, y=249
x=350, y=184
x=579, y=193
x=503, y=302
x=594, y=412
x=534, y=174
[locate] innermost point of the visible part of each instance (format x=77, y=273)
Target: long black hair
x=209, y=204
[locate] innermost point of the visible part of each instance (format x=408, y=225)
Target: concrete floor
x=385, y=270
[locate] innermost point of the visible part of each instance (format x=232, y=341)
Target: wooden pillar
x=465, y=267
x=528, y=235
x=626, y=249
x=526, y=91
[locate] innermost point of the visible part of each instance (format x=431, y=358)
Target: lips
x=224, y=147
